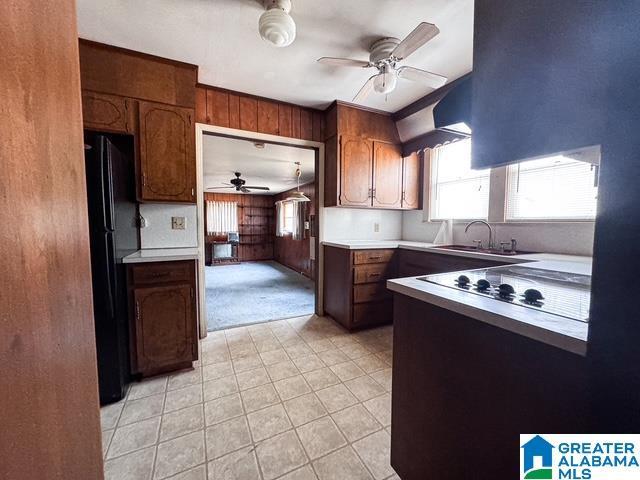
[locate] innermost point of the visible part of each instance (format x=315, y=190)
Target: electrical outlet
x=376, y=227
x=178, y=223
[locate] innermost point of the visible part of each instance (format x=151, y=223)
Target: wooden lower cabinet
x=164, y=322
x=355, y=290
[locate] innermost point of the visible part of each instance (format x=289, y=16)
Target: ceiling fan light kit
x=276, y=25
x=385, y=55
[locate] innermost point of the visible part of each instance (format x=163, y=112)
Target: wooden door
x=411, y=182
x=107, y=113
x=387, y=175
x=356, y=169
x=164, y=325
x=167, y=153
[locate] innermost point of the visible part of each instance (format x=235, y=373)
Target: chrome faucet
x=491, y=244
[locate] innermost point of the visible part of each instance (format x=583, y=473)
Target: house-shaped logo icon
x=538, y=447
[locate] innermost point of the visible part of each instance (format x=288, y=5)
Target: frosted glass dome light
x=385, y=82
x=276, y=25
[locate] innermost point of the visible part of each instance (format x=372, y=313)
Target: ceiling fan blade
x=416, y=75
x=420, y=35
x=344, y=62
x=216, y=188
x=245, y=190
x=366, y=89
x=256, y=188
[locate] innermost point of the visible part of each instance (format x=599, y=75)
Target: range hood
x=452, y=114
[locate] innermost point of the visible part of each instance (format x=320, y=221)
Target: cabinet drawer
x=372, y=256
x=376, y=272
x=372, y=313
x=370, y=292
x=163, y=272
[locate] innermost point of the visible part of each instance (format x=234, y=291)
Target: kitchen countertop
x=161, y=255
x=564, y=333
x=430, y=247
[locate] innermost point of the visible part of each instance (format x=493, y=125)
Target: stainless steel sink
x=492, y=251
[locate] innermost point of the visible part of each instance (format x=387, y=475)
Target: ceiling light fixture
x=276, y=25
x=258, y=145
x=297, y=196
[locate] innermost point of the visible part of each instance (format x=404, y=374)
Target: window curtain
x=299, y=209
x=222, y=217
x=279, y=219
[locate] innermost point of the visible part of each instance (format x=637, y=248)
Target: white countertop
x=431, y=248
x=161, y=255
x=570, y=335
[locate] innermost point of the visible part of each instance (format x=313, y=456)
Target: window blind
x=552, y=188
x=222, y=217
x=457, y=191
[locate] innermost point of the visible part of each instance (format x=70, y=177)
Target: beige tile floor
x=296, y=399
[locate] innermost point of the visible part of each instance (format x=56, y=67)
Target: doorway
x=260, y=224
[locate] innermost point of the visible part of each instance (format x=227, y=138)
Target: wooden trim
x=358, y=107
x=146, y=56
x=428, y=100
x=430, y=140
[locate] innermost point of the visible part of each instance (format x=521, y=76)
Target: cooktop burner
x=565, y=294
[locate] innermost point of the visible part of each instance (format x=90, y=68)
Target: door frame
x=204, y=129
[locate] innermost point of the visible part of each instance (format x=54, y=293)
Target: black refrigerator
x=114, y=234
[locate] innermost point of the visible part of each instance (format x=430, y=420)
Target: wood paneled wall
x=296, y=254
x=227, y=108
x=118, y=71
x=255, y=222
x=48, y=377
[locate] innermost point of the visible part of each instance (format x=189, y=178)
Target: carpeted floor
x=253, y=292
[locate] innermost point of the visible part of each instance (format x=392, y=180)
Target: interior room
x=297, y=240
x=259, y=203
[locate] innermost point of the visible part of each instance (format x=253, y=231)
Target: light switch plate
x=376, y=227
x=178, y=223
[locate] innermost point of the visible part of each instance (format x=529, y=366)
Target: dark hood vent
x=453, y=113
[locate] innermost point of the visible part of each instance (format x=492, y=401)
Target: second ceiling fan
x=385, y=55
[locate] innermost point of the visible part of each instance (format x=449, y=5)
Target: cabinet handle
x=374, y=274
x=161, y=274
x=137, y=310
x=193, y=192
x=378, y=257
x=144, y=179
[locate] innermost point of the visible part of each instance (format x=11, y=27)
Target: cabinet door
x=106, y=113
x=167, y=153
x=387, y=175
x=164, y=327
x=411, y=182
x=356, y=162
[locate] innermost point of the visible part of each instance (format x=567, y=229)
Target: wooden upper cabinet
x=107, y=113
x=268, y=117
x=285, y=124
x=412, y=182
x=164, y=325
x=387, y=175
x=306, y=124
x=167, y=153
x=356, y=169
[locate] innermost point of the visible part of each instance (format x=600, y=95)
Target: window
x=552, y=188
x=288, y=217
x=456, y=191
x=222, y=217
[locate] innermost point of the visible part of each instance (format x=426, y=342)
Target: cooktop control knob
x=505, y=290
x=483, y=285
x=532, y=295
x=463, y=281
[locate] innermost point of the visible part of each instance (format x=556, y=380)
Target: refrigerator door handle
x=110, y=264
x=107, y=186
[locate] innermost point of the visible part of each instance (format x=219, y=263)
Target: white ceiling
x=272, y=166
x=221, y=37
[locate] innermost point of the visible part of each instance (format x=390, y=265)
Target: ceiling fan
x=239, y=184
x=385, y=55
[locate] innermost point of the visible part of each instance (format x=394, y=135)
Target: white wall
x=569, y=238
x=358, y=224
x=158, y=232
